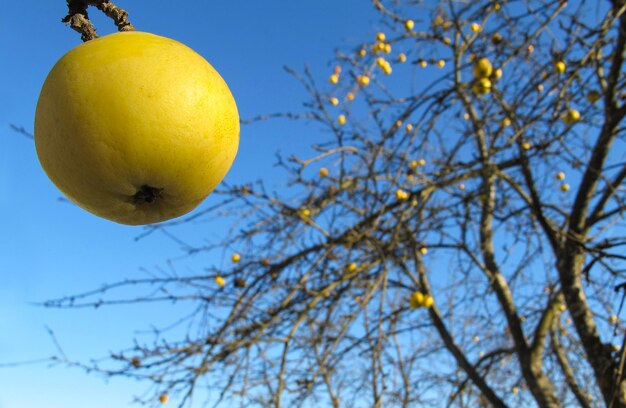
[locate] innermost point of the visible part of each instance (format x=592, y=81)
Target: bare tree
x=455, y=242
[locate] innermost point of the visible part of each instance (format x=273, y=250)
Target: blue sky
x=49, y=248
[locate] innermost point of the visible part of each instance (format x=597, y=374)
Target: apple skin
x=135, y=128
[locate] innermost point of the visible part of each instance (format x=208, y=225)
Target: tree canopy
x=453, y=241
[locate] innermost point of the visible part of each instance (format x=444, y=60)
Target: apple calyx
x=147, y=194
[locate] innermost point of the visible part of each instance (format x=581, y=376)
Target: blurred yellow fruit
x=409, y=24
x=475, y=339
x=506, y=122
x=381, y=37
x=398, y=123
x=220, y=280
x=482, y=68
x=613, y=319
x=350, y=96
x=416, y=300
x=341, y=119
x=437, y=21
x=334, y=78
x=559, y=67
x=337, y=70
x=560, y=175
x=564, y=187
x=571, y=116
x=423, y=63
x=423, y=250
x=323, y=172
x=164, y=398
x=526, y=146
x=401, y=58
x=402, y=195
x=387, y=48
x=408, y=127
x=476, y=28
x=352, y=267
x=540, y=88
x=305, y=212
x=362, y=52
x=482, y=86
x=447, y=41
x=428, y=301
x=135, y=128
x=515, y=390
x=441, y=63
x=363, y=80
x=235, y=257
x=497, y=73
x=334, y=101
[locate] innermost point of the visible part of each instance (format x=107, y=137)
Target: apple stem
x=78, y=19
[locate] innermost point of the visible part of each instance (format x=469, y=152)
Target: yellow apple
x=402, y=195
x=559, y=67
x=482, y=68
x=428, y=301
x=220, y=280
x=135, y=128
x=571, y=116
x=416, y=300
x=482, y=86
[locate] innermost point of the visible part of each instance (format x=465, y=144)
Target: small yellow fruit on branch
x=571, y=116
x=416, y=300
x=482, y=68
x=363, y=80
x=482, y=86
x=559, y=67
